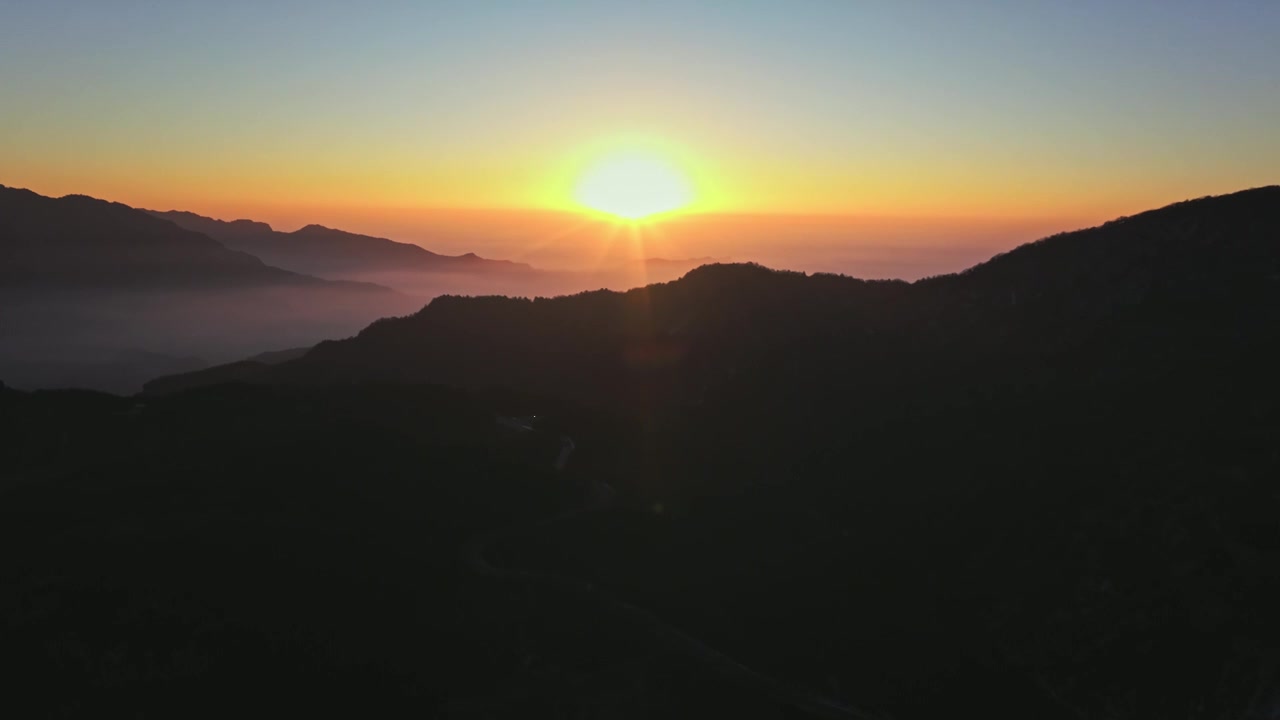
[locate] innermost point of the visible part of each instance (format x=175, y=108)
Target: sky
x=1008, y=110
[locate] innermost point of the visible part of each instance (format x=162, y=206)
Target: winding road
x=670, y=637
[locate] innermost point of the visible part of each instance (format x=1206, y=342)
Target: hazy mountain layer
x=97, y=294
x=325, y=251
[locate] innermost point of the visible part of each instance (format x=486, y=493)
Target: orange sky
x=974, y=119
x=912, y=243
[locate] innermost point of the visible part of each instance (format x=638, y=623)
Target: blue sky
x=825, y=106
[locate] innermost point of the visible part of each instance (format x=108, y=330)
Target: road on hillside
x=669, y=636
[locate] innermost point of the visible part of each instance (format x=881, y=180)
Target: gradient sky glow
x=984, y=108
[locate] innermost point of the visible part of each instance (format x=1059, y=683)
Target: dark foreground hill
x=329, y=252
x=1044, y=487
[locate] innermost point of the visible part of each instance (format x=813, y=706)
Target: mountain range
x=98, y=294
x=327, y=252
x=102, y=295
x=1042, y=487
x=1197, y=272
x=81, y=242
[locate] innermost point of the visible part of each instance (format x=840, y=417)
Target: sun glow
x=633, y=185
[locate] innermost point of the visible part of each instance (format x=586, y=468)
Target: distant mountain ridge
x=81, y=241
x=97, y=294
x=1208, y=267
x=322, y=250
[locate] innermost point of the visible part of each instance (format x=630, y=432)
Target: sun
x=633, y=185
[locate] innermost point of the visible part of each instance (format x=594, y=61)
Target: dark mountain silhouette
x=1040, y=488
x=325, y=251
